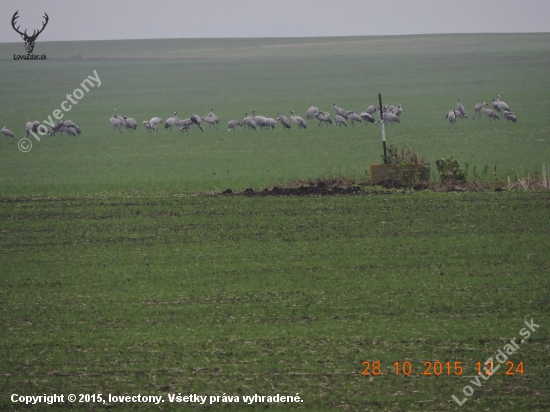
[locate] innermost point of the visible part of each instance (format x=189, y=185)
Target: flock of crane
x=67, y=126
x=390, y=114
x=341, y=118
x=498, y=105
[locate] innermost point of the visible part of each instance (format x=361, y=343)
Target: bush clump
x=449, y=170
x=405, y=155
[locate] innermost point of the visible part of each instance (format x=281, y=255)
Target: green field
x=121, y=273
x=142, y=79
x=158, y=295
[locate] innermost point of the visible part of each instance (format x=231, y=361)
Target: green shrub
x=449, y=170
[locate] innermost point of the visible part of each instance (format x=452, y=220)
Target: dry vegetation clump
x=531, y=181
x=405, y=155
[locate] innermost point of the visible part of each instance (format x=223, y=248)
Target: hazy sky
x=139, y=19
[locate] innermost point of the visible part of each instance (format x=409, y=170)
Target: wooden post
x=383, y=129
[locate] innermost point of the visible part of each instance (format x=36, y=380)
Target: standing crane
x=113, y=120
x=232, y=124
x=460, y=109
x=501, y=105
x=340, y=120
x=150, y=127
x=311, y=112
x=323, y=117
x=212, y=115
x=298, y=120
x=491, y=114
x=477, y=109
x=354, y=117
x=197, y=120
x=367, y=117
x=171, y=121
x=371, y=109
x=184, y=124
x=284, y=120
x=339, y=111
x=210, y=120
x=509, y=116
x=451, y=116
x=6, y=132
x=130, y=123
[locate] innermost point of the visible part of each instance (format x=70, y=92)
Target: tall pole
x=383, y=129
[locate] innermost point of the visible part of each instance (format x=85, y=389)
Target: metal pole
x=383, y=129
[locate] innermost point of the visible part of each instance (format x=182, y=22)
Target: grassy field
x=152, y=294
x=142, y=79
x=119, y=277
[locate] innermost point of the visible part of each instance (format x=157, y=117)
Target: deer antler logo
x=29, y=40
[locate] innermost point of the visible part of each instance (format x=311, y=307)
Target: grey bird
x=367, y=117
x=247, y=121
x=340, y=120
x=28, y=126
x=385, y=108
x=284, y=120
x=171, y=121
x=260, y=120
x=113, y=120
x=354, y=117
x=388, y=118
x=391, y=118
x=232, y=124
x=371, y=109
x=69, y=124
x=501, y=105
x=116, y=116
x=150, y=127
x=197, y=120
x=6, y=132
x=130, y=123
x=55, y=128
x=477, y=109
x=491, y=114
x=184, y=124
x=339, y=111
x=247, y=118
x=460, y=109
x=31, y=126
x=270, y=122
x=311, y=112
x=298, y=120
x=210, y=120
x=212, y=115
x=323, y=117
x=72, y=131
x=451, y=116
x=509, y=116
x=155, y=120
x=398, y=110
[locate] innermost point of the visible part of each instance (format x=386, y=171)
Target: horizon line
x=289, y=37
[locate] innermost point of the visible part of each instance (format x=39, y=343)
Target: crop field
x=123, y=271
x=142, y=79
x=133, y=294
